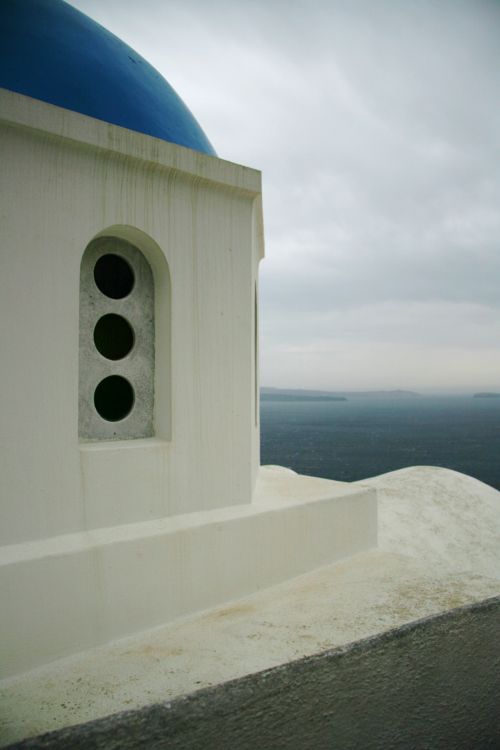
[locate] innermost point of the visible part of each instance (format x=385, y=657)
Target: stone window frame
x=147, y=367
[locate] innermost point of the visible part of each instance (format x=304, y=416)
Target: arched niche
x=124, y=347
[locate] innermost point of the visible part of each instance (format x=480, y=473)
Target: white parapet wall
x=75, y=591
x=437, y=551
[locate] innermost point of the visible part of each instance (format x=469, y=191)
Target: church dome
x=51, y=51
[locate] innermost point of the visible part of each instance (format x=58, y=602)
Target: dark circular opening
x=113, y=336
x=114, y=398
x=114, y=276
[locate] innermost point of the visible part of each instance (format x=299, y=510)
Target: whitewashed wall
x=66, y=179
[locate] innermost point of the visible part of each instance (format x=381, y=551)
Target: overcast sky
x=377, y=128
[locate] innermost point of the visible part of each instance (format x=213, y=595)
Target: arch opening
x=117, y=341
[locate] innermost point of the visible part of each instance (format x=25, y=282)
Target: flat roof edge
x=25, y=112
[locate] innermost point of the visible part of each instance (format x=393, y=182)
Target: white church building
x=132, y=498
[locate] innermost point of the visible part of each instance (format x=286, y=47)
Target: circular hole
x=114, y=398
x=113, y=336
x=113, y=276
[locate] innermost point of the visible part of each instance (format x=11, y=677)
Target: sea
x=366, y=436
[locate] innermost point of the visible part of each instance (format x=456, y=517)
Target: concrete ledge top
x=438, y=551
x=277, y=488
x=409, y=682
x=359, y=597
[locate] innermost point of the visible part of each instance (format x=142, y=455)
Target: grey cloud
x=377, y=127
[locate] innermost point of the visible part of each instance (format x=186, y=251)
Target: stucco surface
x=113, y=582
x=367, y=594
x=433, y=685
x=364, y=595
x=440, y=516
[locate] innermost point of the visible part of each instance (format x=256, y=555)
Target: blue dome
x=51, y=51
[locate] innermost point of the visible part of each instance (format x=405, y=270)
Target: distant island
x=296, y=394
x=278, y=396
x=487, y=395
